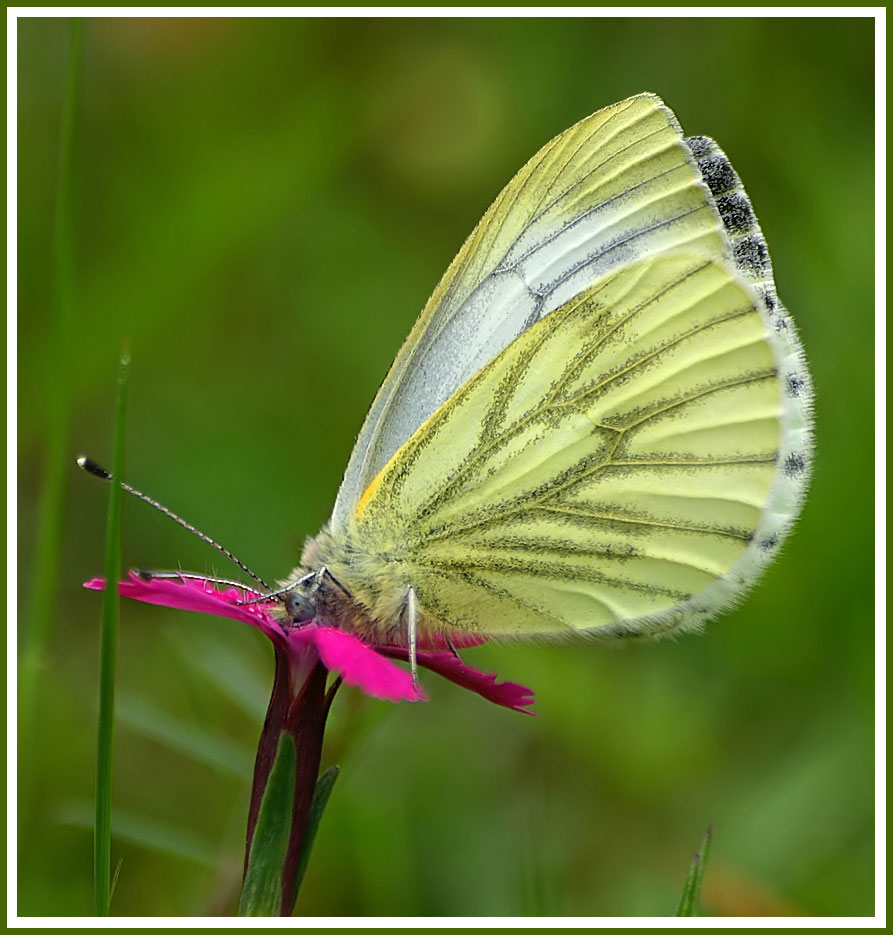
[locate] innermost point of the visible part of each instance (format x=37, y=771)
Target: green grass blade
x=48, y=538
x=115, y=878
x=108, y=645
x=321, y=793
x=262, y=889
x=691, y=890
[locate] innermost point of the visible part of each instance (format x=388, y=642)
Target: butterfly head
x=300, y=607
x=312, y=595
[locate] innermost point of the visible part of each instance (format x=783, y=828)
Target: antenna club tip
x=91, y=467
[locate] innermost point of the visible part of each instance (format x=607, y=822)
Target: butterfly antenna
x=91, y=467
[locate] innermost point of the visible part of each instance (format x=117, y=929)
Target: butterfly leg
x=412, y=620
x=324, y=572
x=452, y=648
x=149, y=575
x=275, y=595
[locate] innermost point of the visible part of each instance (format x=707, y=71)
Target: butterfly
x=600, y=424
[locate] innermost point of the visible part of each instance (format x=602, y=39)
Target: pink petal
x=197, y=595
x=508, y=694
x=359, y=664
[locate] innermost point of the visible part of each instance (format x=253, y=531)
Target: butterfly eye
x=299, y=607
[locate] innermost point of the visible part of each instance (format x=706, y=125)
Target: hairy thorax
x=364, y=592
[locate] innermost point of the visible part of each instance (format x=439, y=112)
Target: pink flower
x=300, y=700
x=356, y=662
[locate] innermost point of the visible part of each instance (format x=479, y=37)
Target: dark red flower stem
x=300, y=711
x=274, y=724
x=306, y=723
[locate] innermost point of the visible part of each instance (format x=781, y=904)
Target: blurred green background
x=262, y=208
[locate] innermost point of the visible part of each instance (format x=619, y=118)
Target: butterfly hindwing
x=604, y=469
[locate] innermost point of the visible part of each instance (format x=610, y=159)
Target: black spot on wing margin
x=749, y=249
x=752, y=256
x=736, y=213
x=794, y=465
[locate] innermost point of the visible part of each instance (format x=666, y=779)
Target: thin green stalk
x=689, y=902
x=48, y=538
x=108, y=645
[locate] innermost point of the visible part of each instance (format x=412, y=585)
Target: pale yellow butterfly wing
x=601, y=421
x=618, y=185
x=610, y=466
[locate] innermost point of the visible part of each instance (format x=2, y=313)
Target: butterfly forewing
x=617, y=186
